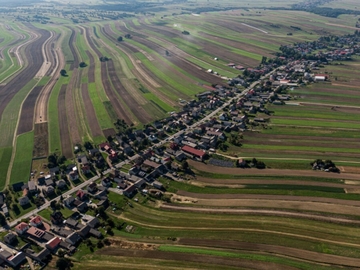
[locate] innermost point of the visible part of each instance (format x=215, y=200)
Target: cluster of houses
x=63, y=233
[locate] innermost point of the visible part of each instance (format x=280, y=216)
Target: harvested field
x=35, y=60
x=66, y=147
x=27, y=112
x=285, y=251
x=71, y=109
x=109, y=132
x=91, y=73
x=90, y=112
x=268, y=172
x=118, y=107
x=72, y=41
x=135, y=108
x=41, y=140
x=178, y=256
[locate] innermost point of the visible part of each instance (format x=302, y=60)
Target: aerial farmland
x=180, y=134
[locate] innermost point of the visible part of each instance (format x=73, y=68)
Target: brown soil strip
x=90, y=112
x=41, y=140
x=286, y=251
x=178, y=256
x=66, y=147
x=128, y=99
x=118, y=107
x=34, y=59
x=72, y=41
x=268, y=197
x=262, y=212
x=91, y=73
x=27, y=111
x=271, y=172
x=70, y=108
x=109, y=132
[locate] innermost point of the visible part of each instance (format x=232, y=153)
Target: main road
x=119, y=165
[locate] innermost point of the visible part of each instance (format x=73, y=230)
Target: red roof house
x=53, y=243
x=21, y=228
x=192, y=151
x=36, y=221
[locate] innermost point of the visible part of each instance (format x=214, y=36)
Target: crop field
x=69, y=77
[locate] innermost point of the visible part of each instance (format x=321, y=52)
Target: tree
x=63, y=264
x=82, y=64
x=53, y=204
x=2, y=220
x=120, y=39
x=100, y=244
x=63, y=73
x=185, y=165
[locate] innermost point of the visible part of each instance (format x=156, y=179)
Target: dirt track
x=66, y=148
x=90, y=112
x=285, y=251
x=178, y=256
x=271, y=172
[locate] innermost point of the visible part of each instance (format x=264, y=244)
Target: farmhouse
x=36, y=221
x=21, y=228
x=194, y=152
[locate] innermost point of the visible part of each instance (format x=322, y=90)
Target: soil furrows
x=146, y=77
x=72, y=41
x=135, y=108
x=282, y=250
x=70, y=108
x=35, y=60
x=27, y=112
x=176, y=58
x=90, y=112
x=91, y=72
x=41, y=140
x=66, y=147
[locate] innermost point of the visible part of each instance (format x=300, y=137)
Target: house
x=69, y=202
x=95, y=233
x=82, y=207
x=24, y=200
x=103, y=203
x=92, y=188
x=73, y=238
x=81, y=194
x=54, y=171
x=21, y=228
x=50, y=190
x=43, y=255
x=32, y=187
x=93, y=152
x=194, y=152
x=5, y=209
x=160, y=168
x=61, y=184
x=130, y=191
x=57, y=218
x=41, y=181
x=84, y=230
x=49, y=182
x=36, y=221
x=71, y=223
x=74, y=175
x=180, y=156
x=140, y=183
x=14, y=260
x=158, y=185
x=86, y=169
x=93, y=223
x=83, y=160
x=53, y=243
x=35, y=233
x=106, y=182
x=10, y=238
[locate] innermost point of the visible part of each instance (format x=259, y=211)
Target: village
x=78, y=195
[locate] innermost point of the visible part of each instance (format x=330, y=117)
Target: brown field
x=26, y=120
x=91, y=73
x=90, y=112
x=71, y=108
x=269, y=172
x=41, y=140
x=280, y=250
x=72, y=42
x=91, y=44
x=135, y=108
x=34, y=59
x=178, y=256
x=66, y=147
x=109, y=132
